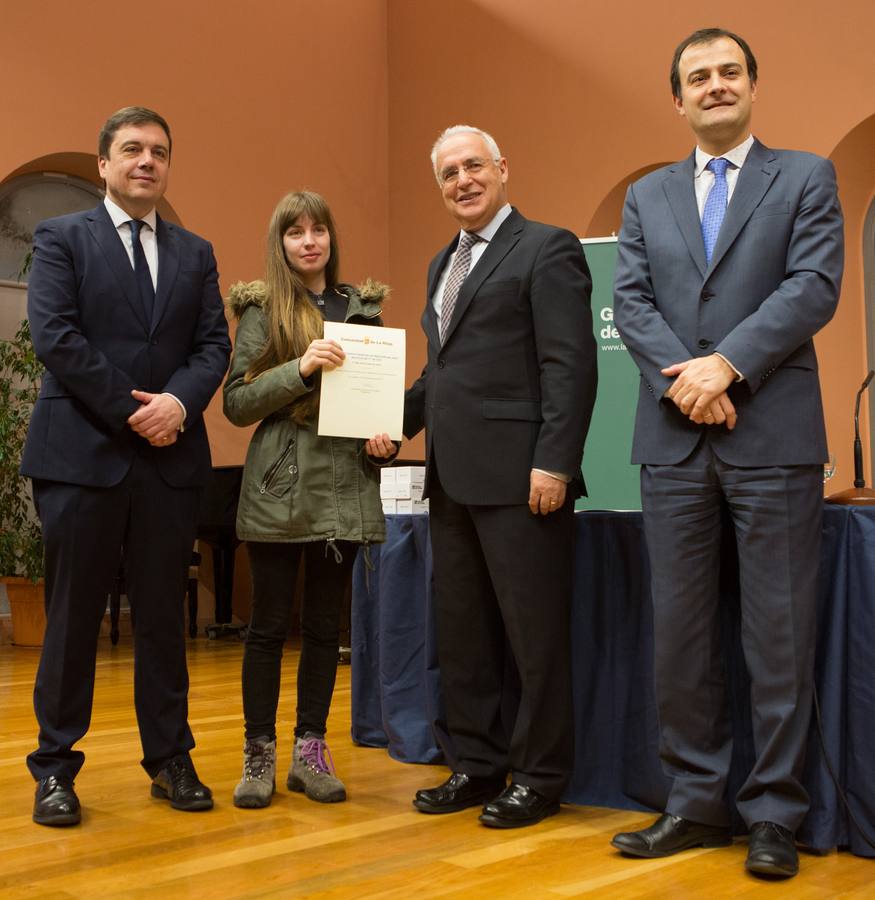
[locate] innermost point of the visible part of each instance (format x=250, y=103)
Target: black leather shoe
x=55, y=802
x=671, y=834
x=516, y=806
x=178, y=783
x=772, y=851
x=459, y=791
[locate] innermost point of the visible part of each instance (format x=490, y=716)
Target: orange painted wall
x=262, y=98
x=577, y=96
x=347, y=96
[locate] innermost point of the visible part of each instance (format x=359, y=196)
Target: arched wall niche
x=609, y=215
x=81, y=165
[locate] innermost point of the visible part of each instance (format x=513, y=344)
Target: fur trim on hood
x=245, y=293
x=254, y=293
x=372, y=291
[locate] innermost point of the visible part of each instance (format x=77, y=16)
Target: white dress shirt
x=485, y=234
x=703, y=179
x=148, y=238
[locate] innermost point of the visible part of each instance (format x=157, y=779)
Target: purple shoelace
x=312, y=754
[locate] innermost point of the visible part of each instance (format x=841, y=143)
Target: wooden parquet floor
x=373, y=846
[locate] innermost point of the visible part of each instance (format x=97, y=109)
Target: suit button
x=703, y=343
x=153, y=342
x=441, y=363
x=706, y=296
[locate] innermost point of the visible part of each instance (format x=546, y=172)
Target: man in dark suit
x=126, y=315
x=729, y=262
x=505, y=399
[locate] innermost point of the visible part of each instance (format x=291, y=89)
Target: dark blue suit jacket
x=89, y=330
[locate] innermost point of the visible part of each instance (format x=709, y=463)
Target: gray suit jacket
x=773, y=282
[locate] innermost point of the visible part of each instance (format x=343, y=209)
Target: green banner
x=611, y=480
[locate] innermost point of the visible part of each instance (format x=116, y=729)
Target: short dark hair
x=708, y=36
x=129, y=115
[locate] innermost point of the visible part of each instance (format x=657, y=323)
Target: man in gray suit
x=729, y=262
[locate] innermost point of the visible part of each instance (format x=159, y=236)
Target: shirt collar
x=120, y=217
x=487, y=233
x=737, y=156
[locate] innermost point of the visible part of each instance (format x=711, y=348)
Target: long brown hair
x=292, y=319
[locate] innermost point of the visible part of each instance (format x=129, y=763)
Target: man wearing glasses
x=505, y=400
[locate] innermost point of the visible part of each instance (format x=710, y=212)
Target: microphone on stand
x=859, y=481
x=859, y=494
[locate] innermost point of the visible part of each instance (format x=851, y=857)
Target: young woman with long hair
x=304, y=497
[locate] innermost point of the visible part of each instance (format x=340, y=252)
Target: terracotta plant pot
x=28, y=609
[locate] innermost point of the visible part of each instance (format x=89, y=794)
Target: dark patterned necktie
x=458, y=273
x=141, y=270
x=715, y=205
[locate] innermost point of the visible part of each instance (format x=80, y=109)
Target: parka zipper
x=271, y=472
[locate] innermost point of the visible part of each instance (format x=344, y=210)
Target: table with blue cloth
x=396, y=697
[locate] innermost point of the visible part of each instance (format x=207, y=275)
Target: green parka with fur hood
x=297, y=486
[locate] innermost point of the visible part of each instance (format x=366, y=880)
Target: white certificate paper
x=364, y=396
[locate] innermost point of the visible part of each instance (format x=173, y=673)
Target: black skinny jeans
x=274, y=574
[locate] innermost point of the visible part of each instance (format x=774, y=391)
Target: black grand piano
x=216, y=527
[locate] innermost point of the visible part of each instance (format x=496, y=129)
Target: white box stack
x=387, y=483
x=401, y=490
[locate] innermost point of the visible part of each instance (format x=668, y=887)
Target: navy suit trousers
x=147, y=527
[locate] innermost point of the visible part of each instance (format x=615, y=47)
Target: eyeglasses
x=470, y=167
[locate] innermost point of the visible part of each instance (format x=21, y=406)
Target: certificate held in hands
x=365, y=396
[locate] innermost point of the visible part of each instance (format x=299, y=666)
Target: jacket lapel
x=107, y=238
x=754, y=179
x=168, y=267
x=501, y=244
x=681, y=196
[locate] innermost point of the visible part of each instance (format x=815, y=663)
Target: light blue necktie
x=715, y=205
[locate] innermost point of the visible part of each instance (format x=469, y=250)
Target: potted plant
x=21, y=547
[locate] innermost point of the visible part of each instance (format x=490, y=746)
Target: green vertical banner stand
x=611, y=480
